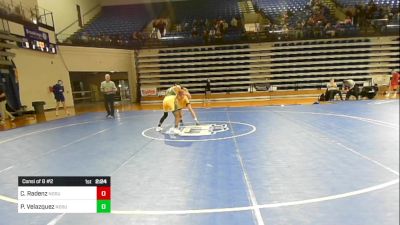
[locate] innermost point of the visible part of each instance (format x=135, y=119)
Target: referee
x=108, y=88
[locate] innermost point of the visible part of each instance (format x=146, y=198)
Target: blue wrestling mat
x=334, y=164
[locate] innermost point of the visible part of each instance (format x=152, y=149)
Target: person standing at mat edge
x=3, y=109
x=207, y=92
x=394, y=84
x=109, y=89
x=58, y=91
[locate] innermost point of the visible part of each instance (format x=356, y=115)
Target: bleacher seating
x=187, y=11
x=116, y=25
x=7, y=42
x=295, y=65
x=275, y=8
x=123, y=20
x=391, y=3
x=192, y=67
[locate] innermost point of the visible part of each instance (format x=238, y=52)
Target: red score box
x=103, y=193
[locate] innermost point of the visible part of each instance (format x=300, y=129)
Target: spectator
x=234, y=22
x=207, y=24
x=348, y=20
x=329, y=30
x=153, y=33
x=3, y=109
x=225, y=26
x=318, y=29
x=154, y=24
x=162, y=27
x=363, y=18
x=332, y=90
x=194, y=32
x=206, y=36
x=299, y=30
x=212, y=34
x=207, y=91
x=58, y=91
x=218, y=34
x=220, y=26
x=134, y=36
x=394, y=84
x=351, y=89
x=120, y=40
x=186, y=26
x=178, y=28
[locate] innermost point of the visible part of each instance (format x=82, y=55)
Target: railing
x=4, y=26
x=82, y=95
x=45, y=17
x=18, y=11
x=376, y=29
x=66, y=32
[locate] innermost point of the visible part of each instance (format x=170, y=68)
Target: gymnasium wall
x=37, y=71
x=306, y=65
x=24, y=3
x=82, y=59
x=65, y=13
x=18, y=29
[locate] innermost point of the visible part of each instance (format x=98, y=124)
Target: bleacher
x=123, y=20
x=7, y=42
x=193, y=66
x=187, y=11
x=282, y=66
x=275, y=8
x=391, y=3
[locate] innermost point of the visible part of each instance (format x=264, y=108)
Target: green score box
x=103, y=206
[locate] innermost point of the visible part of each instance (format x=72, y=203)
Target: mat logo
x=202, y=130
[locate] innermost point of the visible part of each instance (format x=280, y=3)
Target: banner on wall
x=148, y=91
x=36, y=35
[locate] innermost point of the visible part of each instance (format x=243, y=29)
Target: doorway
x=86, y=86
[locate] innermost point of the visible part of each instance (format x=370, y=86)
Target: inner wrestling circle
x=207, y=131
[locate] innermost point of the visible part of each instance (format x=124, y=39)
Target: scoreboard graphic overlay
x=64, y=194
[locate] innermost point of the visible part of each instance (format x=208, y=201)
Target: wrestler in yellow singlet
x=174, y=104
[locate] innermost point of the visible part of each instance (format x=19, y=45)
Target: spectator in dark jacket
x=58, y=91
